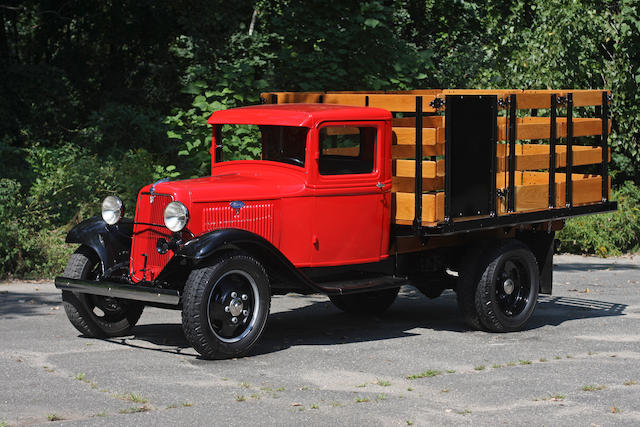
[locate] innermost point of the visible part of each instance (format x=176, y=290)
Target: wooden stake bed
x=524, y=120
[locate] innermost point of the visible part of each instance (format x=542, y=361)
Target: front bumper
x=119, y=290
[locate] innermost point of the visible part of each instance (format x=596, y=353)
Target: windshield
x=285, y=144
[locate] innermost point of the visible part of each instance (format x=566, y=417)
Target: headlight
x=176, y=216
x=112, y=209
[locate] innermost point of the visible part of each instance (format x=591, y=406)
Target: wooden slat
x=586, y=189
x=583, y=98
x=536, y=156
x=427, y=122
x=400, y=103
x=533, y=100
x=345, y=99
x=409, y=151
x=297, y=97
x=407, y=136
x=432, y=207
x=407, y=185
x=342, y=151
x=407, y=168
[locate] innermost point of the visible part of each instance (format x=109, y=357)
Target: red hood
x=237, y=181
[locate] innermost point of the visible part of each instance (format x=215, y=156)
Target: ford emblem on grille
x=237, y=205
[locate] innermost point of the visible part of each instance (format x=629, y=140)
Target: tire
x=507, y=292
x=366, y=303
x=232, y=287
x=96, y=316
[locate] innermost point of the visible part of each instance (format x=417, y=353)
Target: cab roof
x=306, y=115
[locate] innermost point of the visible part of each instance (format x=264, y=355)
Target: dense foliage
x=102, y=97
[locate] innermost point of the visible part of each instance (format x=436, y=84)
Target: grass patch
x=479, y=368
x=240, y=398
x=593, y=387
x=409, y=423
x=80, y=376
x=383, y=383
x=615, y=410
x=336, y=404
x=3, y=423
x=362, y=399
x=542, y=359
x=315, y=406
x=361, y=385
x=381, y=396
x=464, y=412
x=496, y=366
x=135, y=409
x=280, y=389
x=409, y=388
x=630, y=382
x=450, y=371
x=101, y=414
x=245, y=385
x=511, y=363
x=557, y=357
x=426, y=374
x=132, y=397
x=524, y=362
x=444, y=390
x=54, y=417
x=187, y=404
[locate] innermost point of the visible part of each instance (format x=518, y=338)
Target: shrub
x=607, y=234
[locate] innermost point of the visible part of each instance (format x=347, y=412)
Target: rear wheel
x=369, y=303
x=499, y=291
x=507, y=292
x=96, y=316
x=225, y=306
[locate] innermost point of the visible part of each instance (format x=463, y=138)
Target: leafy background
x=102, y=97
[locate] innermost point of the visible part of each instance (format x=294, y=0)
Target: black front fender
x=111, y=242
x=202, y=249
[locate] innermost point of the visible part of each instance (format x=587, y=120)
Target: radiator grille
x=145, y=237
x=256, y=217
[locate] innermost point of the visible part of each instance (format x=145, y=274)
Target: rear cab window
x=347, y=150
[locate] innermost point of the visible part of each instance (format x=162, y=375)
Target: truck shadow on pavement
x=318, y=322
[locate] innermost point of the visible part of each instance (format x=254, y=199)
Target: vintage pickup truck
x=332, y=205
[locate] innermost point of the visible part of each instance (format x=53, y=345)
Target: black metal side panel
x=470, y=138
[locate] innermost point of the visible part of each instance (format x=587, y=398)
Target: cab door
x=348, y=220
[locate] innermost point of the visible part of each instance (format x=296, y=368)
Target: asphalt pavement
x=578, y=363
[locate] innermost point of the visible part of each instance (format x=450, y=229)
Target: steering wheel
x=294, y=161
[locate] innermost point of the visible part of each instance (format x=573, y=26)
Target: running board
x=119, y=290
x=361, y=285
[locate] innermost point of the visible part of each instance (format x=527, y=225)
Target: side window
x=347, y=150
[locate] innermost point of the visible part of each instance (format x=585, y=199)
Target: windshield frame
x=217, y=144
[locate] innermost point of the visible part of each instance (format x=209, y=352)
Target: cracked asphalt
x=576, y=364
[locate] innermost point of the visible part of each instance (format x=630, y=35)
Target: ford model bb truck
x=352, y=194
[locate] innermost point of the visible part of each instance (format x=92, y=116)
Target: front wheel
x=225, y=306
x=96, y=316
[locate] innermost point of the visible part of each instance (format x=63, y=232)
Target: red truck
x=332, y=205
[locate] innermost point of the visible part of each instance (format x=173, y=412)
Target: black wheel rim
x=513, y=287
x=233, y=305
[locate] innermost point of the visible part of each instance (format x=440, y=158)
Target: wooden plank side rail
x=536, y=156
x=532, y=190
